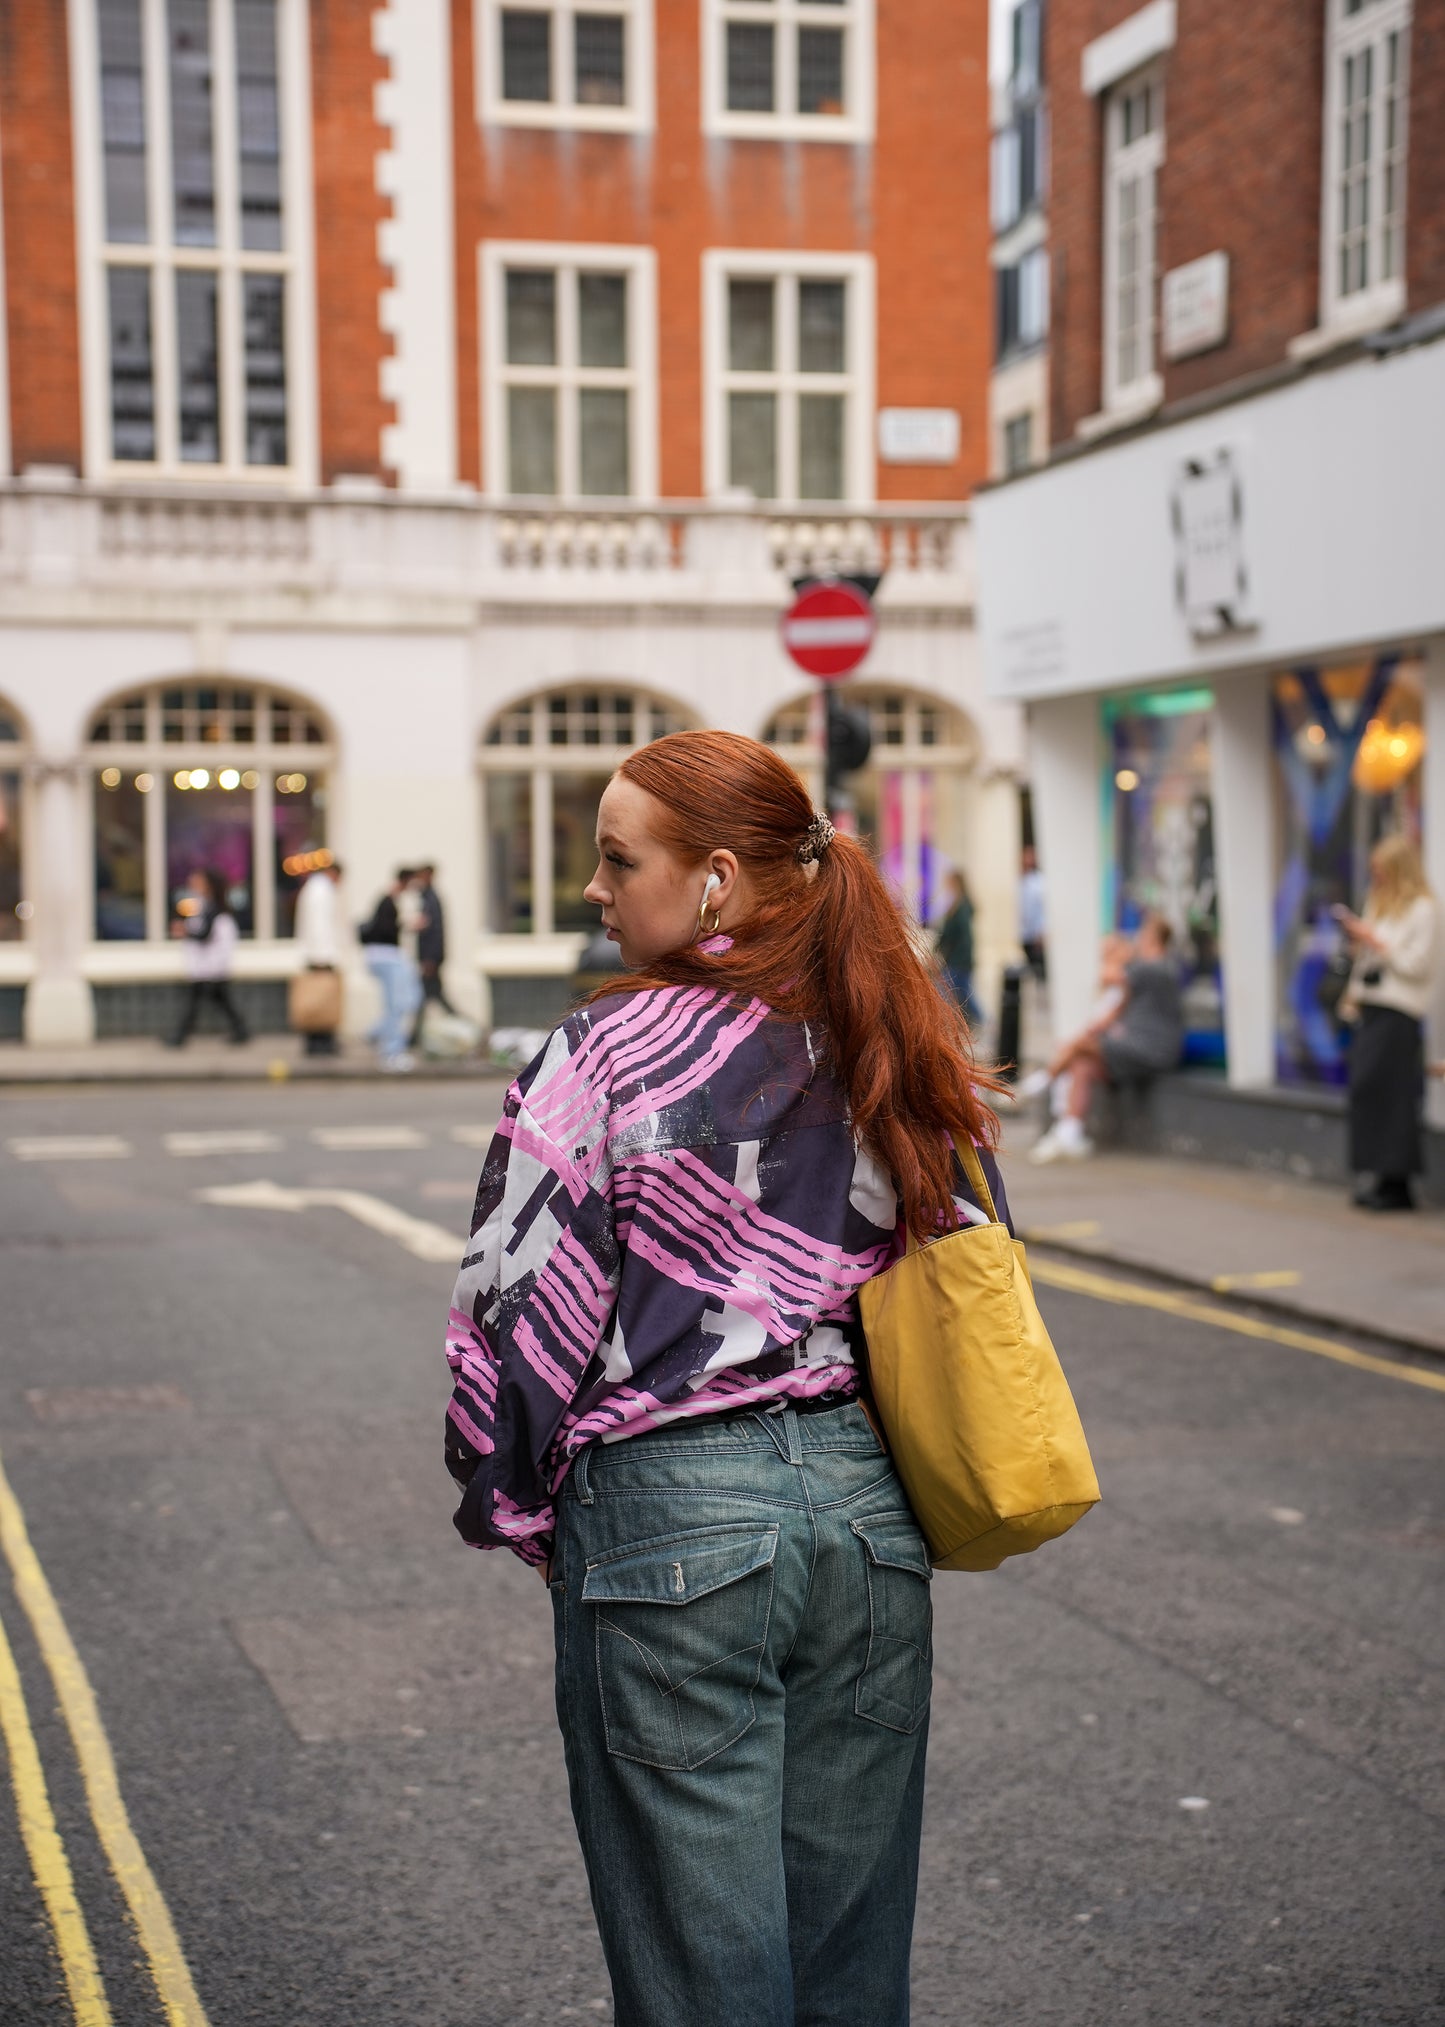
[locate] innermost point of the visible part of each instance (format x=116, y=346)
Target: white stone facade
x=403, y=625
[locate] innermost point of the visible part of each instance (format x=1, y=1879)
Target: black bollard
x=1010, y=1006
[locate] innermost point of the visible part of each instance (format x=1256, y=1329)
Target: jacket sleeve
x=531, y=1306
x=1409, y=941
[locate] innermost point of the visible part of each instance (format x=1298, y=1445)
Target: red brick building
x=405, y=140
x=526, y=348
x=1222, y=597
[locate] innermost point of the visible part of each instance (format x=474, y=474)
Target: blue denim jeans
x=400, y=983
x=744, y=1659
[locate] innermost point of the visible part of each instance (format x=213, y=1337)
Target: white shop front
x=1229, y=633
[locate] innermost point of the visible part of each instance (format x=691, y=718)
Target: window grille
x=789, y=67
x=197, y=272
x=1366, y=103
x=554, y=63
x=228, y=775
x=1135, y=155
x=567, y=364
x=545, y=762
x=788, y=378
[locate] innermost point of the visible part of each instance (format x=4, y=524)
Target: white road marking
x=366, y=1139
x=241, y=1141
x=70, y=1147
x=416, y=1235
x=473, y=1136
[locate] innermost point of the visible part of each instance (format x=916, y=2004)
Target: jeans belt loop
x=580, y=1483
x=789, y=1419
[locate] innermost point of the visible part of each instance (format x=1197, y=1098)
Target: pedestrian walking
x=689, y=1185
x=955, y=945
x=318, y=938
x=1032, y=917
x=1145, y=1039
x=431, y=947
x=395, y=972
x=209, y=933
x=1395, y=941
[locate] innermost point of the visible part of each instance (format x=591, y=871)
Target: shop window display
x=1159, y=812
x=909, y=799
x=1348, y=746
x=210, y=775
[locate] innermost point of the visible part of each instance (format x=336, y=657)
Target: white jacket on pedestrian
x=318, y=921
x=1407, y=963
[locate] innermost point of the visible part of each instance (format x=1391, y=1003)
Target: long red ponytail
x=829, y=947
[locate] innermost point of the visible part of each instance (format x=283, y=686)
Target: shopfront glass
x=1159, y=815
x=11, y=925
x=574, y=847
x=509, y=854
x=1348, y=746
x=298, y=833
x=210, y=829
x=120, y=853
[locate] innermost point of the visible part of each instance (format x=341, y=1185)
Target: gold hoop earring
x=702, y=927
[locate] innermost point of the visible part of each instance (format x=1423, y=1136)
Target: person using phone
x=1395, y=943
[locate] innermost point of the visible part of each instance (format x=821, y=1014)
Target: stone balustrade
x=62, y=536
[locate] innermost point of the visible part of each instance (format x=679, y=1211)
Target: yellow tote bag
x=974, y=1404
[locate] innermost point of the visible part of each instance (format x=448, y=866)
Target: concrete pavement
x=1297, y=1247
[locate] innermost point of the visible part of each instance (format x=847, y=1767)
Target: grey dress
x=1148, y=1036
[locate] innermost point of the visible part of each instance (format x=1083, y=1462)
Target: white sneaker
x=400, y=1063
x=1064, y=1141
x=1033, y=1085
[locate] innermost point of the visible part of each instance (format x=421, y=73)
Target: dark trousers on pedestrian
x=218, y=992
x=1387, y=1098
x=431, y=989
x=744, y=1659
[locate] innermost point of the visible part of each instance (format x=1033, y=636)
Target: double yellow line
x=1134, y=1295
x=180, y=2003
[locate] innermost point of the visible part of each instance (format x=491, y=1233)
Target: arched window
x=545, y=762
x=225, y=775
x=14, y=909
x=910, y=797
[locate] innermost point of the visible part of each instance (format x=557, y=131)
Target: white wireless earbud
x=712, y=881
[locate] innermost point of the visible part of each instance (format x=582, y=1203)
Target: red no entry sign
x=828, y=629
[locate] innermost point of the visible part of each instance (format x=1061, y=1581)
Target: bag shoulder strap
x=973, y=1169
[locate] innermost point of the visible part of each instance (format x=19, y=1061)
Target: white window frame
x=858, y=382
x=543, y=762
x=860, y=61
x=4, y=355
x=295, y=262
x=1143, y=156
x=638, y=114
x=1379, y=302
x=639, y=376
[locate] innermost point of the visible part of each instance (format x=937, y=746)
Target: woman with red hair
x=656, y=1355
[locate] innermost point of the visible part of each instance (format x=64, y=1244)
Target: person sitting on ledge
x=1146, y=1039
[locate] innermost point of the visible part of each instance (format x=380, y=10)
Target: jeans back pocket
x=897, y=1676
x=681, y=1623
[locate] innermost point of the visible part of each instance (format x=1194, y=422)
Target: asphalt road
x=1186, y=1764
